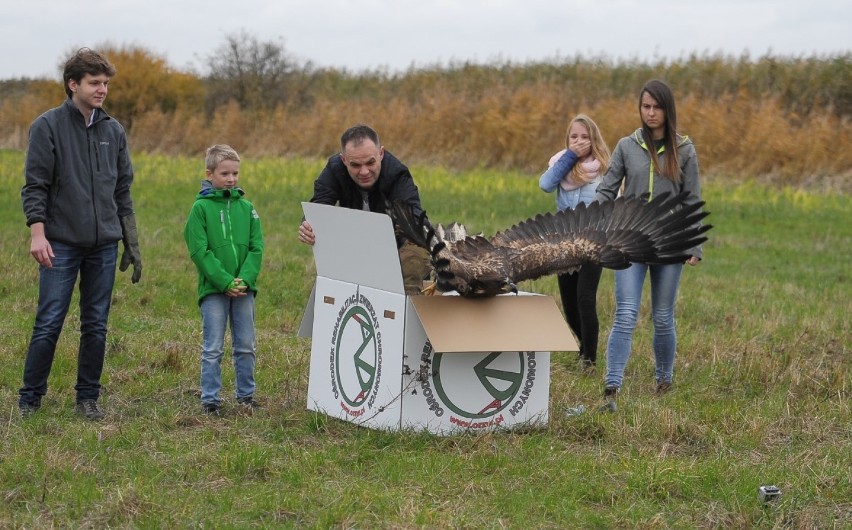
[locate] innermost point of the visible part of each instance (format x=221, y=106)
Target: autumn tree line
x=778, y=119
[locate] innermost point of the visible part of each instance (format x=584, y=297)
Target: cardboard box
x=444, y=364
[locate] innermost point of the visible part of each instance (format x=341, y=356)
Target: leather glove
x=131, y=254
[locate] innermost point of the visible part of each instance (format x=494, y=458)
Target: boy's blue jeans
x=95, y=267
x=665, y=280
x=216, y=311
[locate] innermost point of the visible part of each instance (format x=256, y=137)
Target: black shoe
x=211, y=409
x=663, y=387
x=89, y=409
x=610, y=393
x=249, y=403
x=28, y=409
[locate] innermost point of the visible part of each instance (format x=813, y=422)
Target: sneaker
x=663, y=387
x=89, y=409
x=249, y=403
x=28, y=409
x=211, y=409
x=610, y=393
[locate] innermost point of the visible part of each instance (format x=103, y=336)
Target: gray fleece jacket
x=78, y=178
x=631, y=163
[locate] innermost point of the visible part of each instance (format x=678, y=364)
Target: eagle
x=612, y=234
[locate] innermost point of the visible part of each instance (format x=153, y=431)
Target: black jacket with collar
x=334, y=186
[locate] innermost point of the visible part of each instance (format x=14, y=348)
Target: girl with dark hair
x=654, y=159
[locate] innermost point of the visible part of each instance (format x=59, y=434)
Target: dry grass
x=776, y=120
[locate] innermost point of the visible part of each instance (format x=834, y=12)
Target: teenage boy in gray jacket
x=77, y=203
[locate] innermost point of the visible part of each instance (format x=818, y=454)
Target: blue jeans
x=216, y=311
x=96, y=269
x=628, y=294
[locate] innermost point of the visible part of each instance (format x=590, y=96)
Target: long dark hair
x=662, y=93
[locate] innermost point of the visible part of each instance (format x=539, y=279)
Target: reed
x=776, y=120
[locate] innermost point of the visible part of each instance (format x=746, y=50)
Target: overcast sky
x=35, y=35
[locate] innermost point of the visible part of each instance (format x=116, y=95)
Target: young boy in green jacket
x=225, y=242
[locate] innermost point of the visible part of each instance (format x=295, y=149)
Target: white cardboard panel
x=322, y=396
x=355, y=246
x=356, y=354
x=384, y=405
x=306, y=326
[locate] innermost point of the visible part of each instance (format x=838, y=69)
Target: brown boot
x=663, y=388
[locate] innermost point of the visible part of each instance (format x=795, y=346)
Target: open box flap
x=500, y=323
x=355, y=246
x=306, y=327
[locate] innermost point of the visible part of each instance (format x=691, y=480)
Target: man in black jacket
x=364, y=176
x=76, y=199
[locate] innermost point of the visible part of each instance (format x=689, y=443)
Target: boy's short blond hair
x=217, y=153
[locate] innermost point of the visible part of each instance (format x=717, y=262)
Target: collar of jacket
x=637, y=137
x=232, y=194
x=100, y=114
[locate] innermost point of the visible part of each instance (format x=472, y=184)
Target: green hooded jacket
x=224, y=238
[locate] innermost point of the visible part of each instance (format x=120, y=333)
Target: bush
x=776, y=119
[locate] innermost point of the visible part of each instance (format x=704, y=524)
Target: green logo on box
x=500, y=376
x=357, y=354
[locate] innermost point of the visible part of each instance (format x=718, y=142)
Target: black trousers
x=578, y=292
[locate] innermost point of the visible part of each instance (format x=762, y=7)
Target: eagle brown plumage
x=612, y=234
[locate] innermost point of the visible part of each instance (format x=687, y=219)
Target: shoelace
x=91, y=407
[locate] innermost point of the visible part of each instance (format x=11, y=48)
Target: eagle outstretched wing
x=611, y=234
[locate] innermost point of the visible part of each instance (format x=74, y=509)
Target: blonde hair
x=599, y=149
x=219, y=152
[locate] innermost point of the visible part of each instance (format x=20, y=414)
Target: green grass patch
x=762, y=390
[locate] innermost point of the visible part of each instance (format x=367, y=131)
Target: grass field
x=762, y=396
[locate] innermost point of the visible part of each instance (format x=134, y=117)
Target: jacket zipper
x=92, y=169
x=231, y=230
x=651, y=168
x=227, y=228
